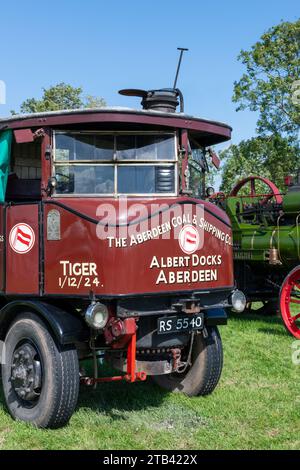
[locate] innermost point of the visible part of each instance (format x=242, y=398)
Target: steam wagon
x=266, y=244
x=108, y=249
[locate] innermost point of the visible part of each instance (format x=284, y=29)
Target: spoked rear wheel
x=290, y=302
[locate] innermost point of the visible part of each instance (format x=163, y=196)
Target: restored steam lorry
x=266, y=244
x=109, y=249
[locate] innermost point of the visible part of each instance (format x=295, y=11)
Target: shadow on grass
x=114, y=399
x=117, y=398
x=273, y=331
x=270, y=320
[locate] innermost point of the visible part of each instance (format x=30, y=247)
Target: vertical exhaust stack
x=164, y=100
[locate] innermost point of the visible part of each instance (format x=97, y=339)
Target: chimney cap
x=163, y=99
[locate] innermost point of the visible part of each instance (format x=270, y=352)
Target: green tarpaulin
x=5, y=149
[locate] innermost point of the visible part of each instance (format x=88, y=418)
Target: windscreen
x=115, y=163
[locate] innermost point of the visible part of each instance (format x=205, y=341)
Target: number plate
x=179, y=324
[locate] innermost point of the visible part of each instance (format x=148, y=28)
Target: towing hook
x=131, y=374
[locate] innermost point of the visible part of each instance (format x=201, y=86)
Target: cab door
x=23, y=207
x=22, y=249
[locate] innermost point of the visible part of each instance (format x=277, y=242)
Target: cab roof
x=205, y=131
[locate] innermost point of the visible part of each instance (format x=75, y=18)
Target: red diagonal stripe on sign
x=187, y=239
x=25, y=242
x=190, y=234
x=25, y=235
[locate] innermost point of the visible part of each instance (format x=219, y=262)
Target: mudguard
x=67, y=328
x=215, y=316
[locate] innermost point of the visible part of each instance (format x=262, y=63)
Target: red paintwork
x=120, y=271
x=131, y=374
x=213, y=132
x=124, y=271
x=22, y=270
x=184, y=166
x=214, y=158
x=274, y=190
x=23, y=136
x=72, y=260
x=131, y=355
x=289, y=317
x=46, y=161
x=119, y=332
x=288, y=180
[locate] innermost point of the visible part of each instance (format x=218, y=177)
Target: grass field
x=255, y=406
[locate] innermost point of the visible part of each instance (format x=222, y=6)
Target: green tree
x=270, y=85
x=272, y=157
x=91, y=101
x=60, y=96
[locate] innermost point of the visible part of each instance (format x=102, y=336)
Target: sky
x=104, y=46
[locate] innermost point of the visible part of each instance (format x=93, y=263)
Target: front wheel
x=40, y=379
x=289, y=300
x=202, y=377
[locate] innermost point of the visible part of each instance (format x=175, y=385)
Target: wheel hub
x=26, y=373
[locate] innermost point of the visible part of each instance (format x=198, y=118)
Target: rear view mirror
x=214, y=158
x=23, y=136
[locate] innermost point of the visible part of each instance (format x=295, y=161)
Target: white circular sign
x=189, y=239
x=21, y=238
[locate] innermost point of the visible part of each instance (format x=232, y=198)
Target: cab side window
x=24, y=179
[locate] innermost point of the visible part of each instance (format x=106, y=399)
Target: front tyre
x=202, y=377
x=40, y=379
x=289, y=301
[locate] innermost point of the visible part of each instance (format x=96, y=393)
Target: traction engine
x=266, y=244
